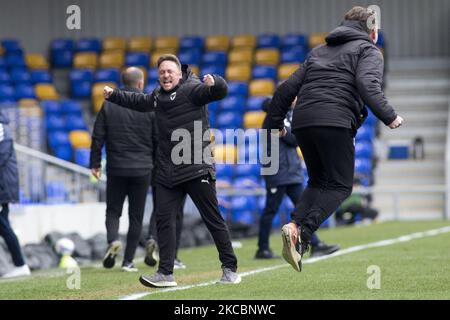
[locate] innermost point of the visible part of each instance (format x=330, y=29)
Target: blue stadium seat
x=293, y=55
x=215, y=57
x=233, y=103
x=7, y=93
x=71, y=107
x=371, y=119
x=82, y=157
x=107, y=75
x=25, y=91
x=191, y=56
x=82, y=75
x=224, y=206
x=363, y=166
x=40, y=76
x=380, y=41
x=247, y=170
x=63, y=152
x=134, y=59
x=11, y=45
x=152, y=75
x=56, y=192
x=51, y=106
x=294, y=39
x=58, y=138
x=229, y=120
x=247, y=182
x=365, y=133
x=264, y=72
x=55, y=123
x=4, y=77
x=62, y=44
x=213, y=69
x=213, y=106
x=363, y=150
x=225, y=170
x=238, y=88
x=212, y=118
x=15, y=60
x=62, y=53
x=244, y=203
x=89, y=44
x=81, y=83
x=81, y=89
x=20, y=76
x=192, y=42
x=268, y=41
x=3, y=65
x=255, y=103
x=150, y=87
x=75, y=122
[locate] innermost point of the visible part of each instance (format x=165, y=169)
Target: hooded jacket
x=128, y=137
x=9, y=177
x=290, y=165
x=178, y=112
x=335, y=82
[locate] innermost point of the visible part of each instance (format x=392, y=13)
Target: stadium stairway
x=419, y=90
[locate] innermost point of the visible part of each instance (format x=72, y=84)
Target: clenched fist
x=107, y=92
x=396, y=123
x=208, y=80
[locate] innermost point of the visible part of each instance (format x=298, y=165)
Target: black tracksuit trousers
x=329, y=154
x=117, y=188
x=202, y=191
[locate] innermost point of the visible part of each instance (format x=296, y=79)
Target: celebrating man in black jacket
x=180, y=106
x=332, y=86
x=129, y=148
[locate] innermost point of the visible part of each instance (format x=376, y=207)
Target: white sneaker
x=21, y=271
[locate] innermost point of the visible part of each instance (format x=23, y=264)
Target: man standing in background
x=127, y=135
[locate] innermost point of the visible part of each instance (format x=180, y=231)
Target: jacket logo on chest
x=173, y=96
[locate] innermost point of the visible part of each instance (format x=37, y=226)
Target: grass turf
x=417, y=269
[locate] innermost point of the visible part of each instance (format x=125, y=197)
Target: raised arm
x=369, y=75
x=213, y=88
x=132, y=100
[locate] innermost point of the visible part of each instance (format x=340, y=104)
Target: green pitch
x=415, y=269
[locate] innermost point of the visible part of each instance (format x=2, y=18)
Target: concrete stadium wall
x=413, y=28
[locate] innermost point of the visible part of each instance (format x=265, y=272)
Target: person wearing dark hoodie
x=332, y=87
x=185, y=167
x=128, y=138
x=9, y=192
x=287, y=181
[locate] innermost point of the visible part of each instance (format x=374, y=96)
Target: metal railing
x=47, y=179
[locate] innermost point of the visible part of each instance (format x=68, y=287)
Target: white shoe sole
x=130, y=269
x=160, y=284
x=289, y=253
x=238, y=280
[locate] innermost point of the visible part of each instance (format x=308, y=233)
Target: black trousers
x=203, y=193
x=329, y=154
x=153, y=232
x=274, y=197
x=10, y=237
x=117, y=188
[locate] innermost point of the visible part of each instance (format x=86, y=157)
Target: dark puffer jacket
x=178, y=109
x=335, y=82
x=9, y=177
x=290, y=165
x=128, y=136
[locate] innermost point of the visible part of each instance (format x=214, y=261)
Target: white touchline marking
x=382, y=243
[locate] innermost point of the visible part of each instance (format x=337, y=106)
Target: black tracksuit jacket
x=334, y=83
x=176, y=109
